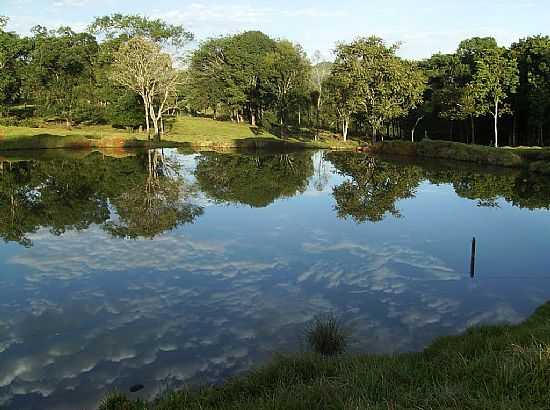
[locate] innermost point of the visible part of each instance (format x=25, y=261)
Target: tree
x=470, y=51
x=142, y=67
x=495, y=79
x=60, y=71
x=14, y=53
x=4, y=22
x=231, y=72
x=319, y=74
x=533, y=55
x=288, y=70
x=384, y=87
x=341, y=96
x=128, y=26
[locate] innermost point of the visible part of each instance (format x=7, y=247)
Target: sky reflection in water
x=210, y=263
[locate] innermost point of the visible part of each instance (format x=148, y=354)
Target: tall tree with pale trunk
x=142, y=67
x=497, y=77
x=319, y=73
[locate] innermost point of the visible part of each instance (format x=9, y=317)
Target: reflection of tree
x=66, y=195
x=322, y=172
x=16, y=206
x=57, y=195
x=155, y=204
x=373, y=187
x=255, y=180
x=519, y=189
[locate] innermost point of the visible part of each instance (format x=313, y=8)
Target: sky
x=424, y=27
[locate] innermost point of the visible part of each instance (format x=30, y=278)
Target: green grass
x=186, y=131
x=533, y=159
x=496, y=367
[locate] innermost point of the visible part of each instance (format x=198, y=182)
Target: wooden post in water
x=473, y=259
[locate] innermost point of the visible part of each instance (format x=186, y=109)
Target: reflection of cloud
x=92, y=251
x=375, y=268
x=500, y=314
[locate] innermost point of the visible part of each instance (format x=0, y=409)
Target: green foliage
x=3, y=22
x=230, y=72
x=13, y=52
x=60, y=73
x=496, y=77
x=288, y=73
x=381, y=86
x=327, y=336
x=127, y=26
x=533, y=56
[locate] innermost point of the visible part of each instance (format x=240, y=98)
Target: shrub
x=327, y=336
x=118, y=401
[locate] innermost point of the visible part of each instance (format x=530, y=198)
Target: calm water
x=173, y=268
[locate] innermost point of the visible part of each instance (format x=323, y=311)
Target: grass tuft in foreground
x=494, y=367
x=327, y=335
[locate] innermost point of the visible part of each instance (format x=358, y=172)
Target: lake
x=172, y=268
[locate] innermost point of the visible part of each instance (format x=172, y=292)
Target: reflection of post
x=473, y=259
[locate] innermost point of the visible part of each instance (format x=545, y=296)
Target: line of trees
x=128, y=71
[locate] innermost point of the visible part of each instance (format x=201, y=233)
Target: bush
x=327, y=336
x=118, y=401
x=471, y=153
x=268, y=121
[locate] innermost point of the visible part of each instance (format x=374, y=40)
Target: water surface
x=173, y=268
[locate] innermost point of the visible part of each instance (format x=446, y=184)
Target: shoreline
x=535, y=160
x=499, y=366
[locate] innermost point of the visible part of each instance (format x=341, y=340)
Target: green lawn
x=497, y=367
x=186, y=131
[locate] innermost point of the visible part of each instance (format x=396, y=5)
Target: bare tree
x=142, y=67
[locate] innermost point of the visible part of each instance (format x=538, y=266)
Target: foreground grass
x=186, y=131
x=497, y=367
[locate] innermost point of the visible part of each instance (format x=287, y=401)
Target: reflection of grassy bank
x=186, y=132
x=534, y=159
x=486, y=368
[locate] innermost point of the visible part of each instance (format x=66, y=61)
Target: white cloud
x=70, y=3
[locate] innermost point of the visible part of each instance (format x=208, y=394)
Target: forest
x=137, y=73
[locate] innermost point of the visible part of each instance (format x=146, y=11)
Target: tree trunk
x=318, y=116
x=541, y=138
x=299, y=118
x=496, y=124
x=147, y=125
x=253, y=118
x=414, y=127
x=473, y=125
x=345, y=125
x=155, y=119
x=514, y=131
x=374, y=135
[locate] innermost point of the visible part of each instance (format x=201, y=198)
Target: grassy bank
x=186, y=132
x=497, y=367
x=533, y=159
